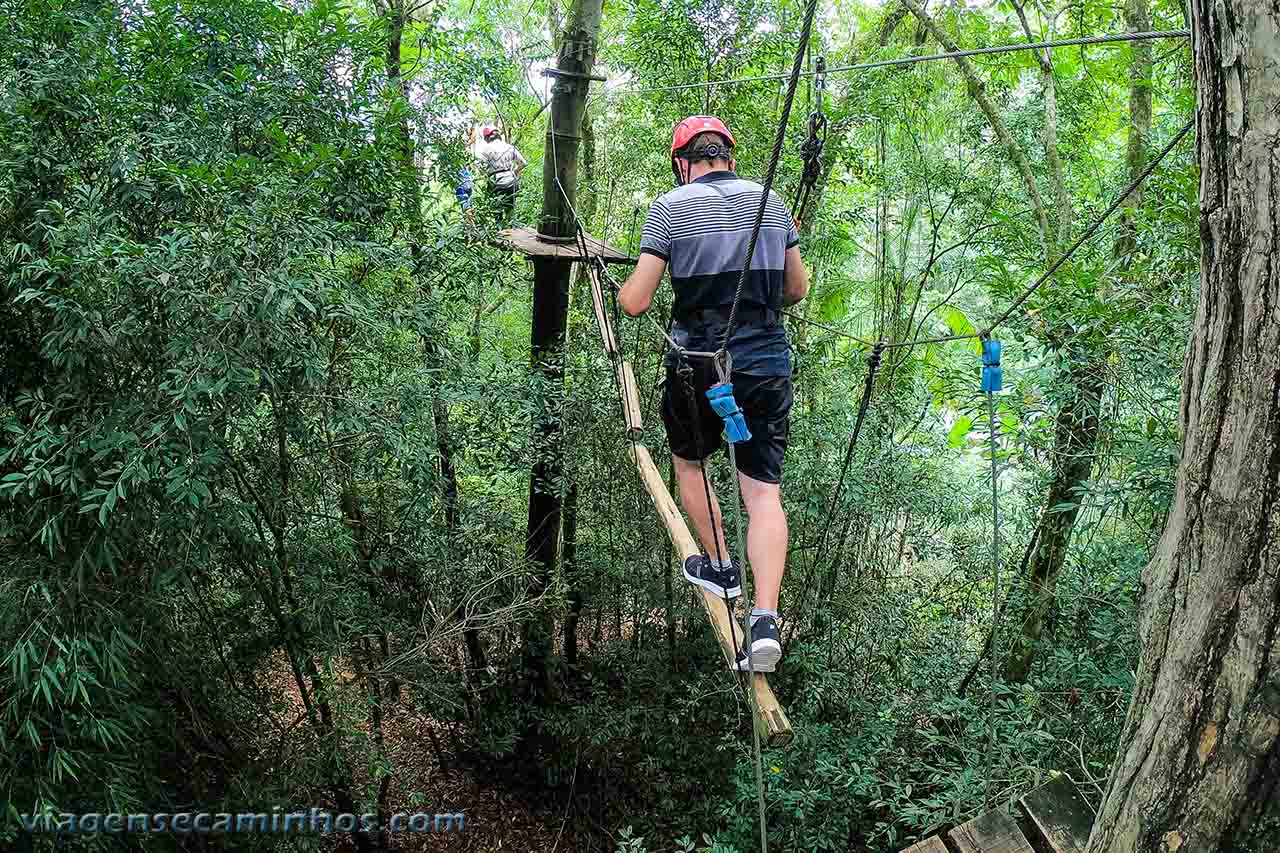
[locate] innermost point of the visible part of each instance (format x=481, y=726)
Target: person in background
x=503, y=164
x=464, y=189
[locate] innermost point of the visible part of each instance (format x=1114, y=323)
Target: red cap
x=694, y=125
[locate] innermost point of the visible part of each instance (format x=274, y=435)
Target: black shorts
x=695, y=431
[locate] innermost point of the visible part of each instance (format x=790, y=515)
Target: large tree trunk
x=1199, y=769
x=1075, y=442
x=397, y=18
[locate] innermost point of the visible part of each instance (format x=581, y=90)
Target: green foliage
x=267, y=424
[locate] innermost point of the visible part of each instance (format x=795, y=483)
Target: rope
x=751, y=669
x=684, y=371
x=781, y=137
x=912, y=60
x=873, y=364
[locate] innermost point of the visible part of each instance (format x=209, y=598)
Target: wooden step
x=993, y=832
x=1056, y=815
x=1060, y=815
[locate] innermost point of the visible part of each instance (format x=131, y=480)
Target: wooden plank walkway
x=1057, y=820
x=771, y=720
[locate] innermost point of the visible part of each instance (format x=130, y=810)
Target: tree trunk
x=397, y=17
x=550, y=312
x=1138, y=19
x=1075, y=441
x=1199, y=769
x=571, y=575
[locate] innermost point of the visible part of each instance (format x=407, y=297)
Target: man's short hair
x=700, y=143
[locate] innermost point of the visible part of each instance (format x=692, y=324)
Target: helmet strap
x=682, y=162
x=680, y=174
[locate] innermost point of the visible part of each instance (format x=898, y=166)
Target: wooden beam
x=626, y=376
x=602, y=317
x=929, y=845
x=1060, y=815
x=775, y=728
x=993, y=832
x=630, y=396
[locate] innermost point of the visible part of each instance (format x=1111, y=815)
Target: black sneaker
x=726, y=583
x=766, y=650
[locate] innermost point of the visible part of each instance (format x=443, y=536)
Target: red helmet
x=489, y=131
x=692, y=126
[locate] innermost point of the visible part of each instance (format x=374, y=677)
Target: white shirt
x=499, y=159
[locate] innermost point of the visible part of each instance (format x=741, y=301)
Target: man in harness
x=503, y=163
x=701, y=230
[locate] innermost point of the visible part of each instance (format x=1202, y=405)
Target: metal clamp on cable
x=811, y=150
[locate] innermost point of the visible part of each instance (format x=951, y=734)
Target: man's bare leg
x=693, y=497
x=766, y=538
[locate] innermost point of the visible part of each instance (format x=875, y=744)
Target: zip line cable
x=911, y=60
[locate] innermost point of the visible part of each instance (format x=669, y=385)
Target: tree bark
x=1199, y=768
x=572, y=580
x=1075, y=443
x=1063, y=216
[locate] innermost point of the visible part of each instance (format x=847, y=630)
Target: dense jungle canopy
x=272, y=403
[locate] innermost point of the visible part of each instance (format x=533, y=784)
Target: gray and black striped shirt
x=702, y=230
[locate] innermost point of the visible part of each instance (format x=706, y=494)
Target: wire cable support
x=911, y=60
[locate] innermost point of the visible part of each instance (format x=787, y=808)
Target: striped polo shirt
x=702, y=230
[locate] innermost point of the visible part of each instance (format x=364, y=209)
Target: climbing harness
x=811, y=150
x=992, y=383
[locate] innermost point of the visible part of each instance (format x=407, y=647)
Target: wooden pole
x=775, y=728
x=550, y=313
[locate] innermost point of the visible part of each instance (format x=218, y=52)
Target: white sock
x=717, y=564
x=757, y=612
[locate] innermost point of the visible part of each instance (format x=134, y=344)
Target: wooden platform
x=527, y=242
x=1055, y=818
